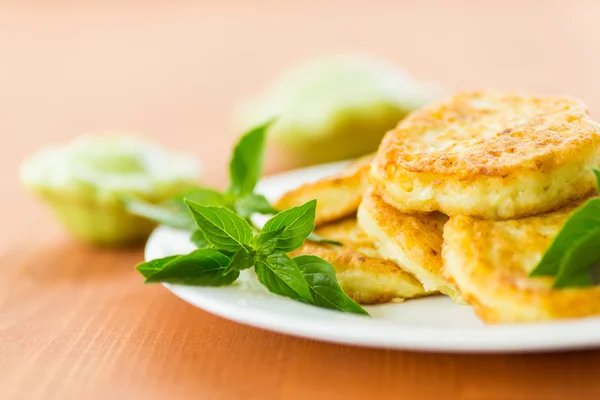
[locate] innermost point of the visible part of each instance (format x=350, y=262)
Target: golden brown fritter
x=361, y=272
x=413, y=242
x=337, y=196
x=490, y=154
x=490, y=262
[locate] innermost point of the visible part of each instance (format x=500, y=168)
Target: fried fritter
x=491, y=155
x=412, y=241
x=362, y=273
x=337, y=196
x=490, y=262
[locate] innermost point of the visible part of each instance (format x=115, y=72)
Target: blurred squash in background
x=334, y=108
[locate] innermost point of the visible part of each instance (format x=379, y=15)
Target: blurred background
x=175, y=70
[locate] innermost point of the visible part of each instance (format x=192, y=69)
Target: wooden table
x=76, y=322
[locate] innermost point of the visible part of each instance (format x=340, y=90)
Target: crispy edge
x=514, y=196
x=337, y=197
x=352, y=265
x=419, y=237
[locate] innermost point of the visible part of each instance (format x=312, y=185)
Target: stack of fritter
x=365, y=276
x=467, y=194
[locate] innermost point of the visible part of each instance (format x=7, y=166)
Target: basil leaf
x=173, y=212
x=221, y=227
x=299, y=222
x=199, y=239
x=580, y=264
x=266, y=242
x=313, y=237
x=597, y=175
x=201, y=195
x=584, y=222
x=172, y=216
x=253, y=203
x=149, y=268
x=246, y=163
x=279, y=273
x=242, y=259
x=204, y=267
x=325, y=290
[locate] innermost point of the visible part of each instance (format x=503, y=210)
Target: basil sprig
x=573, y=258
x=245, y=169
x=234, y=246
x=228, y=242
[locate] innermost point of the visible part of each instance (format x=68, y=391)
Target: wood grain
x=76, y=322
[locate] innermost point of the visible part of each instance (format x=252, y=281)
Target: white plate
x=429, y=324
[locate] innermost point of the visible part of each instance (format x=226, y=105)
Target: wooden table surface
x=76, y=322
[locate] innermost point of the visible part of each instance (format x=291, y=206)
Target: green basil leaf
x=579, y=266
x=200, y=195
x=253, y=203
x=597, y=175
x=242, y=259
x=221, y=227
x=247, y=161
x=204, y=267
x=279, y=273
x=266, y=242
x=584, y=222
x=172, y=216
x=199, y=239
x=325, y=290
x=149, y=268
x=313, y=237
x=299, y=222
